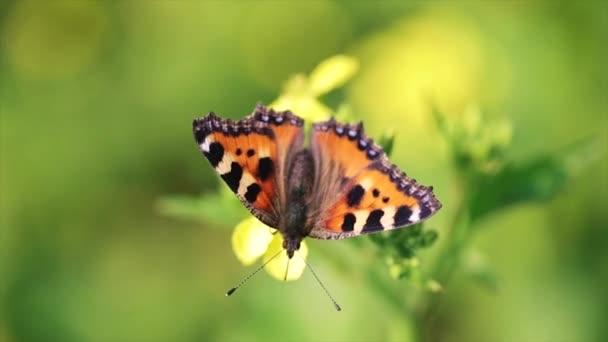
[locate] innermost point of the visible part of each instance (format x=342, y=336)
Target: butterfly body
x=340, y=186
x=296, y=223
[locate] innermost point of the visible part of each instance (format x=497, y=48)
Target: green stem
x=458, y=236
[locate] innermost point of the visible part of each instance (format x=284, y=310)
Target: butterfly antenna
x=231, y=291
x=338, y=308
x=286, y=270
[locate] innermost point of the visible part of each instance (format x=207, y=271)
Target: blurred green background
x=97, y=100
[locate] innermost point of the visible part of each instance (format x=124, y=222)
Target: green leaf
x=403, y=243
x=215, y=208
x=441, y=122
x=428, y=238
x=536, y=180
x=387, y=141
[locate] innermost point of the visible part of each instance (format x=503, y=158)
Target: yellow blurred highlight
x=437, y=58
x=434, y=286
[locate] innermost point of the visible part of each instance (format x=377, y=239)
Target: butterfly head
x=291, y=244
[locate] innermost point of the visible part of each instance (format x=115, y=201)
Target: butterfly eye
x=284, y=244
x=298, y=245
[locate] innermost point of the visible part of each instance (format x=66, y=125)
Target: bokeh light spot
x=276, y=37
x=54, y=40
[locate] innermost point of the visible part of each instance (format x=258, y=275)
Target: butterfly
x=342, y=185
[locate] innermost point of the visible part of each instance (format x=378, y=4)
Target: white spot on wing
x=225, y=165
x=205, y=145
x=415, y=217
x=361, y=217
x=264, y=152
x=366, y=183
x=246, y=180
x=388, y=219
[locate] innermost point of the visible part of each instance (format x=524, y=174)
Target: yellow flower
x=253, y=239
x=250, y=240
x=301, y=92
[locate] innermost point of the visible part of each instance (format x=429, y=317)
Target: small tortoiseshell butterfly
x=342, y=185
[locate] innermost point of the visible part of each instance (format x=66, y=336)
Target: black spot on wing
x=402, y=216
x=199, y=134
x=373, y=221
x=376, y=192
x=355, y=195
x=252, y=192
x=425, y=212
x=250, y=152
x=265, y=168
x=349, y=222
x=233, y=178
x=215, y=154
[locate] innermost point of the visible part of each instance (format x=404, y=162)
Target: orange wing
x=365, y=192
x=289, y=134
x=246, y=155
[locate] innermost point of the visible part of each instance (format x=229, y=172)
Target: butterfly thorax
x=295, y=223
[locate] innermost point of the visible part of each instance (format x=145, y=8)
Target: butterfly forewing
x=247, y=156
x=288, y=131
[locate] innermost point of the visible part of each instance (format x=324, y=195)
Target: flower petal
x=332, y=73
x=250, y=240
x=278, y=265
x=308, y=108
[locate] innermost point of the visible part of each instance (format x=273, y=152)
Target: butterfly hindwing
x=370, y=194
x=373, y=202
x=246, y=155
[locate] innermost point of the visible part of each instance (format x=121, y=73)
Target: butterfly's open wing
x=251, y=156
x=358, y=190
